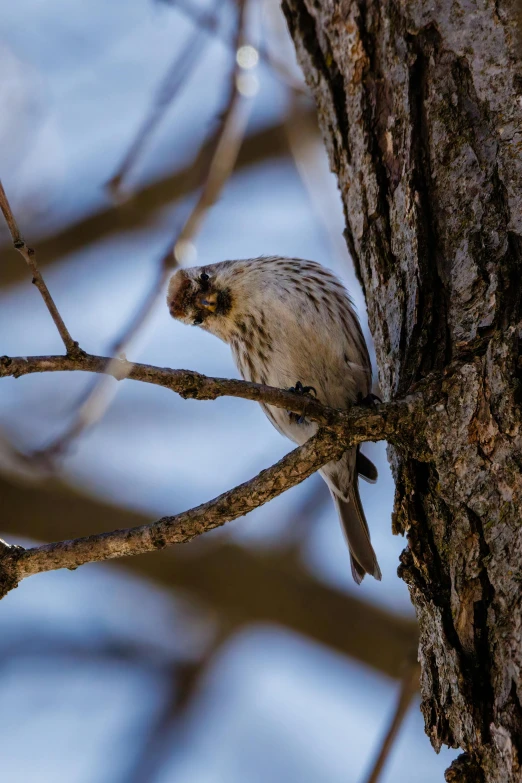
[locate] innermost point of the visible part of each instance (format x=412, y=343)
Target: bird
x=290, y=323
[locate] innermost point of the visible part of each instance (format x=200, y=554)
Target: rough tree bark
x=420, y=105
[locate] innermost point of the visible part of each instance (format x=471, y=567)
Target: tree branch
x=396, y=422
x=29, y=257
x=262, y=586
x=17, y=564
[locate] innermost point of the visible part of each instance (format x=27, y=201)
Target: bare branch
x=262, y=586
x=29, y=257
x=393, y=421
x=17, y=564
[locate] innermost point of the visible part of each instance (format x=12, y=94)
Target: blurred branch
x=180, y=692
x=260, y=587
x=60, y=646
x=305, y=146
x=29, y=257
x=174, y=79
x=146, y=204
x=278, y=66
x=303, y=518
x=227, y=140
x=149, y=747
x=409, y=687
x=276, y=36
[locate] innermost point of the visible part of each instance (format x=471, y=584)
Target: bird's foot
x=303, y=391
x=370, y=400
x=308, y=391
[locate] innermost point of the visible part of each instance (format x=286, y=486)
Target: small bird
x=290, y=324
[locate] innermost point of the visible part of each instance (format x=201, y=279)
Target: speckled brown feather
x=289, y=320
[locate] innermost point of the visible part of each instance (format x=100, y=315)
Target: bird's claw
x=303, y=391
x=370, y=400
x=309, y=391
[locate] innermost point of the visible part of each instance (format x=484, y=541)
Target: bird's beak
x=208, y=301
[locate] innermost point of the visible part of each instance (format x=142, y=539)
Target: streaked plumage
x=288, y=320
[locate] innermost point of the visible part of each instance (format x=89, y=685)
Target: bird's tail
x=357, y=535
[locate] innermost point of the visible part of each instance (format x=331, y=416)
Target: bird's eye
x=204, y=277
x=197, y=321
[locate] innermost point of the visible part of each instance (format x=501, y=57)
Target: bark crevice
x=431, y=180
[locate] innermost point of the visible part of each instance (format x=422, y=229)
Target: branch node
x=9, y=556
x=191, y=393
x=75, y=352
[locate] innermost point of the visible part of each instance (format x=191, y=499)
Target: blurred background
x=248, y=654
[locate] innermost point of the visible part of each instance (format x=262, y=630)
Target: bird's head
x=201, y=296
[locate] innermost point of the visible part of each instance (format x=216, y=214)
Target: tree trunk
x=420, y=105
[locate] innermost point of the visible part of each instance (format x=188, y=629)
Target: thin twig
x=174, y=79
x=228, y=140
x=409, y=687
x=29, y=257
